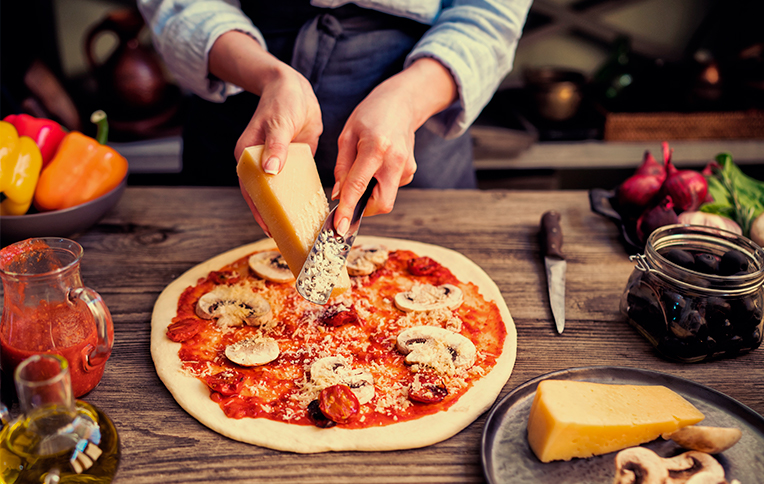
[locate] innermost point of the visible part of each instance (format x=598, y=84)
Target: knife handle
x=551, y=235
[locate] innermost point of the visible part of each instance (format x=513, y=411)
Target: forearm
x=237, y=58
x=476, y=41
x=428, y=86
x=183, y=32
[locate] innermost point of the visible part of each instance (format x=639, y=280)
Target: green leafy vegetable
x=736, y=195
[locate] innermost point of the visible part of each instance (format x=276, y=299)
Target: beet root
x=657, y=216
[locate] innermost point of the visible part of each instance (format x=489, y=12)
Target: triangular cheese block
x=293, y=203
x=580, y=419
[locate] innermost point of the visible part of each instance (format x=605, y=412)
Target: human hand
x=376, y=142
x=287, y=110
x=378, y=138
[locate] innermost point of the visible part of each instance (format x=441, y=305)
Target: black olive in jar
x=733, y=262
x=706, y=263
x=696, y=293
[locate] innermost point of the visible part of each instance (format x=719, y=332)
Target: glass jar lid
x=708, y=240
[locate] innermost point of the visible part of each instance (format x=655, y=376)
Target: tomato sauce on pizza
x=407, y=340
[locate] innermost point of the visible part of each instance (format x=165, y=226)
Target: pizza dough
x=194, y=396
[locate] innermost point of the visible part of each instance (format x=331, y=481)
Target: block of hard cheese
x=292, y=203
x=581, y=419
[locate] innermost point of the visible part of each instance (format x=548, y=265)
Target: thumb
x=274, y=155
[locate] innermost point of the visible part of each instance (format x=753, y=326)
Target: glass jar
x=696, y=293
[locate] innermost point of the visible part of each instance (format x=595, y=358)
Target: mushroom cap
x=234, y=306
x=364, y=260
x=711, y=440
x=639, y=465
x=270, y=265
x=426, y=297
x=436, y=347
x=361, y=382
x=684, y=466
x=335, y=370
x=253, y=351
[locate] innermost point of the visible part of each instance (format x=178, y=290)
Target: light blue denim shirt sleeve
x=183, y=32
x=475, y=39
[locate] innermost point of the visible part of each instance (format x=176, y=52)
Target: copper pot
x=557, y=93
x=131, y=81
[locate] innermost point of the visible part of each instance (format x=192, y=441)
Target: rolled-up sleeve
x=183, y=32
x=476, y=41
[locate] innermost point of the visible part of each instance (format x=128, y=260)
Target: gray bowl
x=59, y=223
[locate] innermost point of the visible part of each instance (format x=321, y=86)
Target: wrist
x=240, y=59
x=431, y=87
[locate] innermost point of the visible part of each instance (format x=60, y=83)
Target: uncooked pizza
x=419, y=346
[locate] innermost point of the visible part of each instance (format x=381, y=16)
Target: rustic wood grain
x=155, y=234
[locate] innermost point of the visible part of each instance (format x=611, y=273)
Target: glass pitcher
x=56, y=439
x=46, y=309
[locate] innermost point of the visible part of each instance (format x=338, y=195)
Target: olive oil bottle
x=41, y=448
x=56, y=440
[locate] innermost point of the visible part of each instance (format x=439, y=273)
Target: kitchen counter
x=155, y=234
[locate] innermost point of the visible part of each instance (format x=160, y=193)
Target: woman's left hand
x=378, y=138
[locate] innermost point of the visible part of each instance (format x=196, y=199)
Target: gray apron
x=344, y=53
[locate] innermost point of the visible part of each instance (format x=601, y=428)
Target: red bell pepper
x=46, y=133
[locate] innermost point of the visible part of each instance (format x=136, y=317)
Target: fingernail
x=271, y=166
x=343, y=227
x=336, y=191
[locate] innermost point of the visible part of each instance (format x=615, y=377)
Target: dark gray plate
x=507, y=458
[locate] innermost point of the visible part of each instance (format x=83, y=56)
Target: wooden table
x=155, y=234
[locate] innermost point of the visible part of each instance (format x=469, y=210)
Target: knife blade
x=554, y=261
x=327, y=257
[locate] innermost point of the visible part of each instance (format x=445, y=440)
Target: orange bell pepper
x=82, y=170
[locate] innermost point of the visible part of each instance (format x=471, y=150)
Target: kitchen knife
x=554, y=261
x=327, y=257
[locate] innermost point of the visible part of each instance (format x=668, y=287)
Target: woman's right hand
x=287, y=111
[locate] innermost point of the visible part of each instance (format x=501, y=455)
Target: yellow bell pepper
x=20, y=165
x=82, y=170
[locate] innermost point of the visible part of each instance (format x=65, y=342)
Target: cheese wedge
x=580, y=419
x=293, y=203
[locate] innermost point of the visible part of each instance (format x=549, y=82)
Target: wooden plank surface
x=155, y=234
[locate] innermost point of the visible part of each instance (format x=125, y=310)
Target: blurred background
x=595, y=84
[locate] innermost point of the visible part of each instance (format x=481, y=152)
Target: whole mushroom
x=711, y=440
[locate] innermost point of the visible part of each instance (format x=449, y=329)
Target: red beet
x=637, y=191
x=640, y=189
x=657, y=216
x=687, y=188
x=650, y=166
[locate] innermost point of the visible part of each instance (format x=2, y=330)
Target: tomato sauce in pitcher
x=46, y=309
